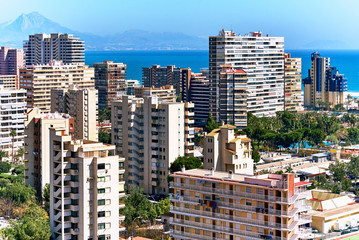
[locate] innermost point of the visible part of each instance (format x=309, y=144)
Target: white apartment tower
x=81, y=104
x=84, y=188
x=44, y=48
x=150, y=135
x=12, y=112
x=261, y=57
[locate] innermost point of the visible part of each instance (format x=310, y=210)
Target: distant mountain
x=13, y=33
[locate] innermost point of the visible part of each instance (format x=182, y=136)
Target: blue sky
x=300, y=22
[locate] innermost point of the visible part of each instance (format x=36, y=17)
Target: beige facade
x=150, y=135
x=81, y=104
x=9, y=81
x=293, y=84
x=40, y=79
x=165, y=93
x=217, y=205
x=84, y=189
x=226, y=151
x=37, y=145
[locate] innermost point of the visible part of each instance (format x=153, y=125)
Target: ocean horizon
x=346, y=61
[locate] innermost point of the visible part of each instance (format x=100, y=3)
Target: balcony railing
x=233, y=218
x=238, y=194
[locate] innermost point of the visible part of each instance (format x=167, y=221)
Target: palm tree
x=20, y=153
x=3, y=154
x=13, y=134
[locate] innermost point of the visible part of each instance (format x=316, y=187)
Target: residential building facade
x=158, y=76
x=37, y=145
x=198, y=94
x=150, y=135
x=218, y=205
x=12, y=112
x=110, y=81
x=84, y=189
x=81, y=104
x=165, y=93
x=225, y=151
x=324, y=85
x=261, y=57
x=40, y=79
x=11, y=60
x=233, y=96
x=9, y=81
x=43, y=48
x=293, y=100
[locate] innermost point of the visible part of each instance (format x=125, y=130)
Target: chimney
x=183, y=169
x=230, y=174
x=212, y=171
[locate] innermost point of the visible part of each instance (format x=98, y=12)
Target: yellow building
x=333, y=211
x=293, y=84
x=218, y=205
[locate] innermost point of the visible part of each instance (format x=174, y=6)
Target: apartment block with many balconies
x=261, y=57
x=293, y=100
x=81, y=104
x=11, y=60
x=40, y=79
x=218, y=205
x=84, y=189
x=43, y=48
x=151, y=134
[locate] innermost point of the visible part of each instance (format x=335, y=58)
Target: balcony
x=238, y=194
x=233, y=218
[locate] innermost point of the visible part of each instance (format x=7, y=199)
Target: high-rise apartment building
x=158, y=76
x=11, y=60
x=12, y=112
x=218, y=205
x=37, y=145
x=198, y=94
x=165, y=93
x=9, y=81
x=233, y=96
x=81, y=104
x=150, y=135
x=40, y=79
x=84, y=188
x=110, y=81
x=324, y=84
x=225, y=151
x=44, y=48
x=131, y=84
x=261, y=57
x=293, y=84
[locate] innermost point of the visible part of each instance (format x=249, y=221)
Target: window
x=101, y=190
x=101, y=214
x=248, y=202
x=101, y=202
x=249, y=228
x=248, y=190
x=101, y=226
x=100, y=179
x=197, y=219
x=101, y=166
x=260, y=191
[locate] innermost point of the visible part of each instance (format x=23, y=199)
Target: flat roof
x=337, y=212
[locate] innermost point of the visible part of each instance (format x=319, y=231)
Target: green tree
x=188, y=162
x=19, y=170
x=4, y=167
x=163, y=206
x=21, y=153
x=339, y=170
x=211, y=124
x=289, y=170
x=4, y=182
x=256, y=156
x=104, y=114
x=316, y=136
x=137, y=206
x=19, y=192
x=3, y=154
x=46, y=197
x=104, y=137
x=353, y=134
x=339, y=108
x=13, y=134
x=33, y=225
x=354, y=170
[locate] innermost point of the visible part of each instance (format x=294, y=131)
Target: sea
x=346, y=61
